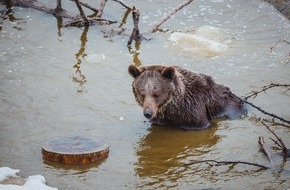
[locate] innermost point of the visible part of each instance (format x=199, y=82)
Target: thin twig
x=101, y=8
x=87, y=6
x=264, y=149
x=264, y=88
x=123, y=4
x=168, y=15
x=227, y=163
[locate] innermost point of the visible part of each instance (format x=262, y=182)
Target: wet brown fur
x=173, y=95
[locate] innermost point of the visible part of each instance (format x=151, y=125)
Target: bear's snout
x=149, y=107
x=147, y=113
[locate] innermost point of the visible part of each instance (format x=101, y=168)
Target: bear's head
x=153, y=87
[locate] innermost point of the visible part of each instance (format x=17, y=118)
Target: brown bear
x=176, y=96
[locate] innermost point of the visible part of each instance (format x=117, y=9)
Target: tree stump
x=75, y=150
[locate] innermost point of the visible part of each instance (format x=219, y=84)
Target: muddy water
x=73, y=81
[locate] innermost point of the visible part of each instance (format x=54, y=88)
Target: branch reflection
x=9, y=14
x=135, y=53
x=78, y=77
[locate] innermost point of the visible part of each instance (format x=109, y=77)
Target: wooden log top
x=75, y=150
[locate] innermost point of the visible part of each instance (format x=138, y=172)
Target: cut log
x=75, y=150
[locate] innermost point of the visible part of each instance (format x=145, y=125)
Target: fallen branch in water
x=265, y=112
x=264, y=88
x=82, y=13
x=135, y=33
x=218, y=163
x=41, y=7
x=168, y=15
x=285, y=151
x=264, y=149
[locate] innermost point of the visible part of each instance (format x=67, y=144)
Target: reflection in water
x=162, y=152
x=78, y=77
x=59, y=25
x=125, y=18
x=79, y=168
x=135, y=53
x=8, y=13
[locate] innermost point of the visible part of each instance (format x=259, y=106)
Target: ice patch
x=206, y=41
x=36, y=182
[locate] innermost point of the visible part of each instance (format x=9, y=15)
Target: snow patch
x=36, y=182
x=6, y=172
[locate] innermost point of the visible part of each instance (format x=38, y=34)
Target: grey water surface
x=74, y=81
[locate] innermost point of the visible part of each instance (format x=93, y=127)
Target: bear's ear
x=168, y=72
x=134, y=71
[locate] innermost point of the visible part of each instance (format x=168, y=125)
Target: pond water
x=74, y=81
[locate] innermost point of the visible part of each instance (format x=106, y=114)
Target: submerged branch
x=264, y=149
x=227, y=163
x=168, y=15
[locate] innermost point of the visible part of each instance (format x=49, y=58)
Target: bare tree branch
x=101, y=8
x=264, y=88
x=227, y=163
x=135, y=33
x=168, y=15
x=264, y=149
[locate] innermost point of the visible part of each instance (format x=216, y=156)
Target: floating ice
x=206, y=41
x=36, y=182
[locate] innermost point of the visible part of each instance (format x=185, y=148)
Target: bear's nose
x=147, y=113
